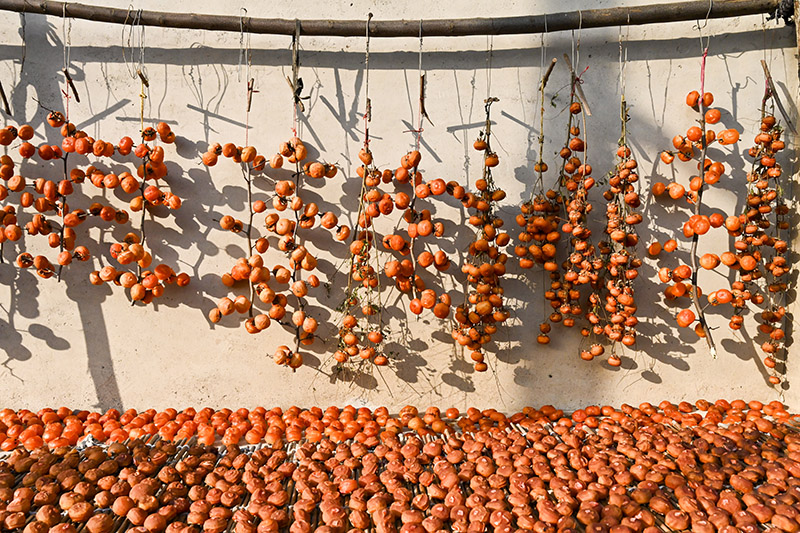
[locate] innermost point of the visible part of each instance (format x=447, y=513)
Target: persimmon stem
x=353, y=239
x=249, y=181
x=63, y=204
x=297, y=269
x=144, y=203
x=539, y=183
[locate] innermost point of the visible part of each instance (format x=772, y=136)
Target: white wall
x=84, y=346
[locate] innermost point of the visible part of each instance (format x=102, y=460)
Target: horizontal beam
x=590, y=18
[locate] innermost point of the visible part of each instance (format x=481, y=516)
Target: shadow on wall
x=207, y=79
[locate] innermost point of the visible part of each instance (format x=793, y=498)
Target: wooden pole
x=590, y=18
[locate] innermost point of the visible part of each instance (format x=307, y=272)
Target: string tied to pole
x=421, y=111
x=296, y=82
x=368, y=103
x=623, y=56
x=66, y=33
x=579, y=77
x=704, y=46
x=246, y=54
x=242, y=53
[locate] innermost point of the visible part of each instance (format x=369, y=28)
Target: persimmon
x=676, y=191
x=709, y=261
x=747, y=262
x=712, y=116
x=729, y=136
x=55, y=119
x=685, y=317
x=694, y=134
x=702, y=225
x=25, y=132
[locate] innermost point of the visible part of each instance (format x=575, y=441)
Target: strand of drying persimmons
x=414, y=170
x=296, y=272
x=367, y=120
x=613, y=360
x=145, y=162
x=362, y=250
x=246, y=167
x=621, y=260
x=367, y=117
x=540, y=167
x=701, y=317
x=67, y=84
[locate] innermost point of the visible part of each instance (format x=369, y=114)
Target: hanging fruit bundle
x=760, y=250
x=582, y=266
x=420, y=226
x=143, y=285
x=275, y=287
x=619, y=250
x=539, y=236
x=146, y=284
x=360, y=333
x=694, y=146
x=477, y=319
x=539, y=219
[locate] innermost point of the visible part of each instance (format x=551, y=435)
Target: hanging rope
x=623, y=58
x=542, y=46
x=127, y=42
x=295, y=75
x=66, y=41
x=421, y=108
x=576, y=46
x=489, y=67
x=368, y=107
x=141, y=68
x=66, y=36
x=242, y=13
x=704, y=47
x=145, y=85
x=421, y=95
x=539, y=188
x=246, y=53
x=135, y=30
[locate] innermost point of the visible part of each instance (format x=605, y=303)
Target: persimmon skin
x=713, y=116
x=685, y=318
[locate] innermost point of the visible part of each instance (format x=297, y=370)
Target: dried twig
x=576, y=82
x=5, y=100
x=774, y=93
x=423, y=112
x=72, y=86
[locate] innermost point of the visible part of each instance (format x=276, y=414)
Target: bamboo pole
x=590, y=18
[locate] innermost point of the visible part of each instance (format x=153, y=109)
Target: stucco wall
x=84, y=346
